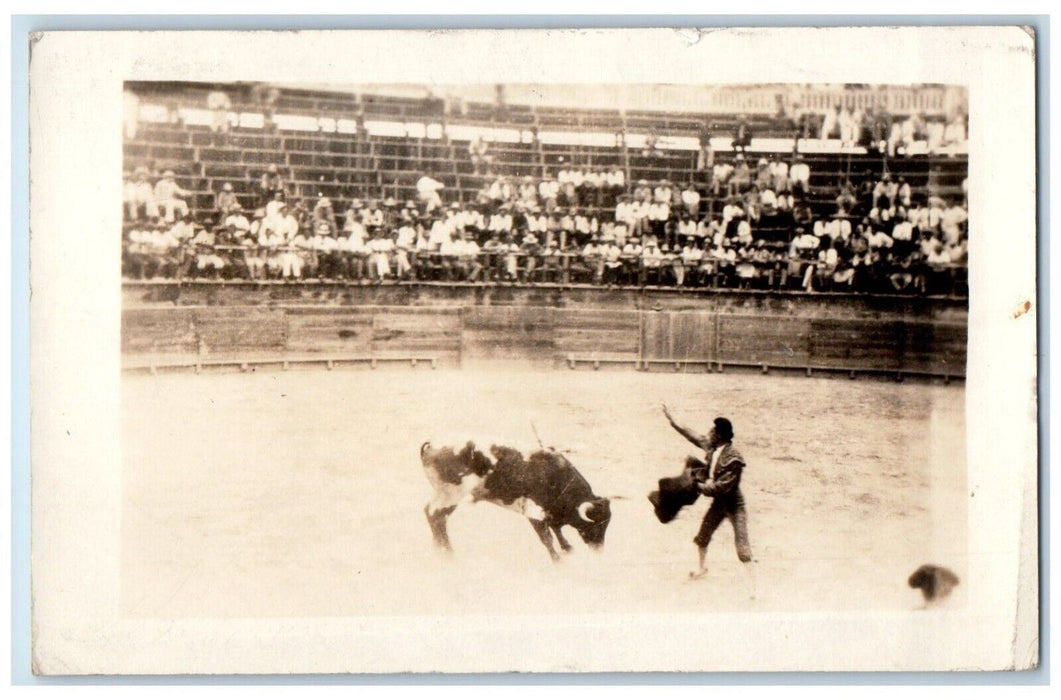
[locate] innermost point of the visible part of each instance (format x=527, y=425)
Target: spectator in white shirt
x=139, y=197
x=691, y=200
x=779, y=173
x=951, y=223
x=219, y=104
x=799, y=176
x=380, y=249
x=237, y=220
x=427, y=189
x=169, y=197
x=721, y=174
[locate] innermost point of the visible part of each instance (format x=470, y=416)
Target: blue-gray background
x=22, y=25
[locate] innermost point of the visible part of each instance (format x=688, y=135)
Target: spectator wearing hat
x=237, y=219
x=169, y=197
x=226, y=200
x=590, y=262
x=324, y=217
x=139, y=196
x=530, y=248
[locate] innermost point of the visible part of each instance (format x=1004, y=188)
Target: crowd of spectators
x=746, y=225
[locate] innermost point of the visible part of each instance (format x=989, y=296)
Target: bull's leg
x=545, y=536
x=436, y=518
x=564, y=544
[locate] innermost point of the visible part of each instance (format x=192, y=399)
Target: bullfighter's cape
x=676, y=492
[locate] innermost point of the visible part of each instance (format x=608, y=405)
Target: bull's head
x=593, y=519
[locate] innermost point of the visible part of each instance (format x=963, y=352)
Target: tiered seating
x=344, y=165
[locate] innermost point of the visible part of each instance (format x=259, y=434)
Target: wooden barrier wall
x=546, y=335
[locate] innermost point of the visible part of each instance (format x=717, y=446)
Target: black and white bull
x=545, y=488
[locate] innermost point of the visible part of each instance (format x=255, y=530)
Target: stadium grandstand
x=791, y=189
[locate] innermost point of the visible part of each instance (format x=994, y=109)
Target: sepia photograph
x=538, y=283
x=466, y=356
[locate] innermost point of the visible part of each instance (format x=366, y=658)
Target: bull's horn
x=582, y=511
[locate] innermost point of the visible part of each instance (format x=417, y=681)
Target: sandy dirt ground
x=300, y=493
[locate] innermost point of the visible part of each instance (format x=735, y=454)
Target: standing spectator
x=169, y=196
x=219, y=104
x=705, y=157
x=481, y=160
x=742, y=135
x=846, y=122
x=271, y=184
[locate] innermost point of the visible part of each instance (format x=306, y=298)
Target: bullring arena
x=271, y=426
